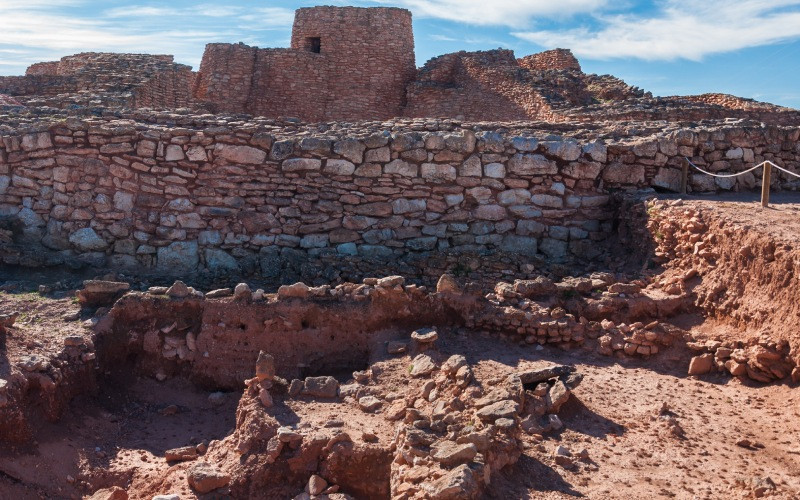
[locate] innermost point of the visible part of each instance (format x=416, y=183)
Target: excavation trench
x=161, y=372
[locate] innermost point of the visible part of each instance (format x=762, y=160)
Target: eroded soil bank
x=539, y=388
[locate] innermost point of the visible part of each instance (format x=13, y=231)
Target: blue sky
x=749, y=48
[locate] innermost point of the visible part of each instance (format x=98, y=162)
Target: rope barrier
x=741, y=173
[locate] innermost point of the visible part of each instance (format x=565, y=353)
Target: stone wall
x=364, y=61
x=144, y=196
x=550, y=60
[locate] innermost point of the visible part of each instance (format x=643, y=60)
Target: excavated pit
x=704, y=288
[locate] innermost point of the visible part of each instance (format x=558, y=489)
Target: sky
x=749, y=48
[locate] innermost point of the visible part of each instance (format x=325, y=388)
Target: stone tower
x=344, y=63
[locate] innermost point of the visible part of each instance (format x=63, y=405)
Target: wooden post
x=765, y=181
x=684, y=175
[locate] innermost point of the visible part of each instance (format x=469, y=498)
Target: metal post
x=684, y=175
x=765, y=181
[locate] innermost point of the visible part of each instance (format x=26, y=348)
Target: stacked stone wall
x=557, y=59
x=43, y=68
x=142, y=196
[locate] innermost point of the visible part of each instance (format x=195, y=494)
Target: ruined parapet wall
x=733, y=102
x=476, y=86
x=677, y=110
x=611, y=88
x=110, y=79
x=148, y=197
x=225, y=77
x=556, y=59
x=43, y=68
x=344, y=63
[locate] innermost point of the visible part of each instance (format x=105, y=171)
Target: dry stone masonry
x=249, y=199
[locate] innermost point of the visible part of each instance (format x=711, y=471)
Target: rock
x=395, y=347
x=316, y=485
x=457, y=484
x=321, y=387
x=453, y=364
x=265, y=366
x=157, y=290
x=181, y=454
x=563, y=456
x=538, y=287
x=390, y=281
x=86, y=240
x=502, y=409
x=242, y=292
x=557, y=396
x=541, y=374
x=99, y=292
x=178, y=290
x=219, y=292
x=369, y=403
x=73, y=340
x=425, y=335
x=205, y=477
x=295, y=386
x=178, y=258
x=170, y=496
x=298, y=290
x=700, y=365
x=761, y=485
x=422, y=366
x=288, y=435
x=265, y=397
x=112, y=493
x=447, y=284
x=449, y=453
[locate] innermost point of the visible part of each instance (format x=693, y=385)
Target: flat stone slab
x=425, y=335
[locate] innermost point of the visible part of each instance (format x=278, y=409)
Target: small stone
x=563, y=456
x=265, y=366
x=242, y=292
x=395, y=347
x=316, y=485
x=298, y=290
x=502, y=409
x=369, y=403
x=205, y=477
x=178, y=290
x=112, y=493
x=321, y=387
x=422, y=366
x=157, y=290
x=73, y=340
x=265, y=398
x=453, y=364
x=390, y=281
x=182, y=454
x=449, y=453
x=425, y=335
x=700, y=365
x=295, y=386
x=289, y=435
x=170, y=496
x=447, y=284
x=220, y=292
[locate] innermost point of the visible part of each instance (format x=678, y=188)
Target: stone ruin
x=322, y=272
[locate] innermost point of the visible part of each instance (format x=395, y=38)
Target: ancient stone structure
x=344, y=63
x=348, y=63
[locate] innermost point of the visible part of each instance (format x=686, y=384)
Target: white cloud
x=512, y=13
x=682, y=29
x=39, y=30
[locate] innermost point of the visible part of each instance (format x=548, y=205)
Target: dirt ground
x=644, y=427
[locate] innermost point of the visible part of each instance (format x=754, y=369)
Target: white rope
x=744, y=172
x=784, y=170
x=723, y=175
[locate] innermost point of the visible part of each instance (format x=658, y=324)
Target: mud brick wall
x=143, y=196
x=551, y=60
x=365, y=61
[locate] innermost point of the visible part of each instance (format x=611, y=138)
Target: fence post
x=684, y=175
x=765, y=181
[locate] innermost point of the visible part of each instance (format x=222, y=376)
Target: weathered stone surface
x=182, y=454
x=240, y=154
x=178, y=257
x=502, y=409
x=87, y=240
x=449, y=453
x=204, y=477
x=527, y=164
x=321, y=387
x=457, y=484
x=422, y=366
